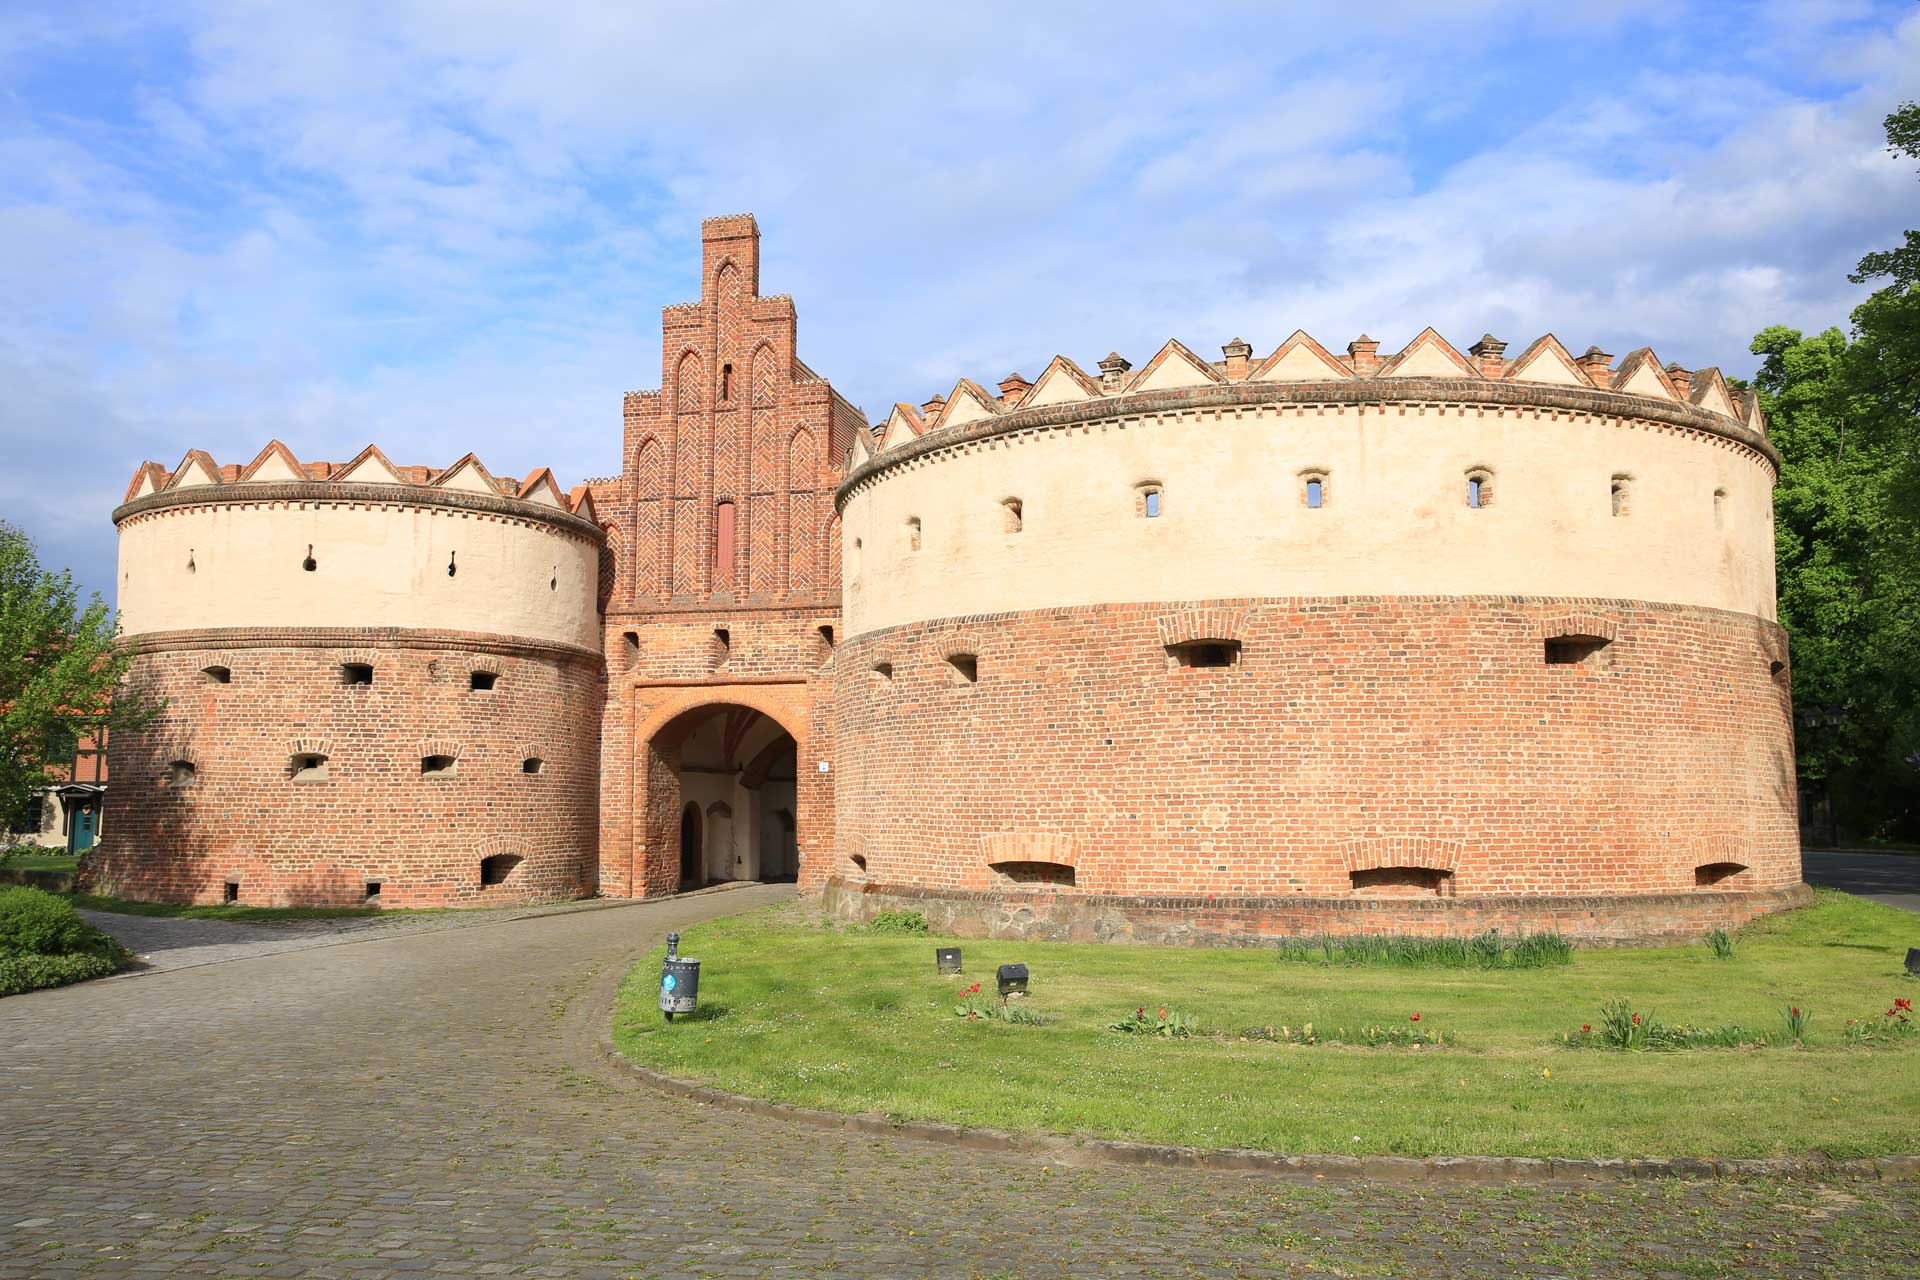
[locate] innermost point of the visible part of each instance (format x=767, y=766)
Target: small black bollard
x=1913, y=961
x=679, y=981
x=1013, y=979
x=946, y=959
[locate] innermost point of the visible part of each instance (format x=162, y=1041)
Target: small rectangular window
x=1205, y=654
x=356, y=673
x=1564, y=651
x=481, y=681
x=1313, y=493
x=1153, y=503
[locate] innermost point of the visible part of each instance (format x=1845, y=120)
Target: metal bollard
x=679, y=981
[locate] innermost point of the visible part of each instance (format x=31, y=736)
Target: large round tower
x=1437, y=643
x=382, y=683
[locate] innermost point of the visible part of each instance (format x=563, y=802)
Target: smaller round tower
x=382, y=684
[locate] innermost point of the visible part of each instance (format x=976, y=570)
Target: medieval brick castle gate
x=1205, y=650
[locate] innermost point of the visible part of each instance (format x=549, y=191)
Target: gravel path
x=427, y=1099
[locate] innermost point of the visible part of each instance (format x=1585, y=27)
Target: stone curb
x=1083, y=1152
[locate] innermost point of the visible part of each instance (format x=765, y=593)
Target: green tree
x=1846, y=418
x=61, y=672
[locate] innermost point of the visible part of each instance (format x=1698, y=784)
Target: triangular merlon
x=1299, y=359
x=275, y=462
x=580, y=502
x=1546, y=360
x=968, y=403
x=539, y=486
x=1641, y=374
x=149, y=477
x=369, y=466
x=1061, y=382
x=859, y=450
x=1428, y=356
x=467, y=475
x=1709, y=391
x=197, y=467
x=1172, y=367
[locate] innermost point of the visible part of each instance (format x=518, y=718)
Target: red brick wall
x=375, y=818
x=1353, y=734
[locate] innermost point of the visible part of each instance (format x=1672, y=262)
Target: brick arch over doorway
x=752, y=750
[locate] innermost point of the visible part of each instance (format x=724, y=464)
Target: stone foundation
x=1597, y=920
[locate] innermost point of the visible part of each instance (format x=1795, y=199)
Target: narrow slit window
x=1719, y=508
x=726, y=382
x=630, y=648
x=722, y=645
x=1621, y=495
x=1479, y=490
x=1012, y=516
x=452, y=568
x=1152, y=502
x=231, y=892
x=309, y=564
x=913, y=533
x=1316, y=494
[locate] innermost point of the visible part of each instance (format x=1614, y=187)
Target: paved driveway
x=1885, y=877
x=427, y=1101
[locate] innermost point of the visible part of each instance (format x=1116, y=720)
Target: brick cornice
x=350, y=493
x=1336, y=395
x=356, y=639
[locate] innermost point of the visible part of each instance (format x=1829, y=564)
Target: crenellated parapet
x=1301, y=369
x=277, y=465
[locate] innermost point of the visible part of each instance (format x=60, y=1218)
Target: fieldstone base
x=1599, y=920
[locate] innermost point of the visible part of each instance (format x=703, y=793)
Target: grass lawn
x=235, y=911
x=802, y=1013
x=31, y=859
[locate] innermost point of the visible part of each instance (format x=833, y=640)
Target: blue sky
x=442, y=226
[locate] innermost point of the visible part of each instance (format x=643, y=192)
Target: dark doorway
x=691, y=875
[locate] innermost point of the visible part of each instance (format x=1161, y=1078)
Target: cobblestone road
x=428, y=1101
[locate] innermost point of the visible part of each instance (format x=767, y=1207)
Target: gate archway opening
x=734, y=773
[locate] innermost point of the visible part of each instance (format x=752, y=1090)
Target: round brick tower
x=1435, y=643
x=382, y=683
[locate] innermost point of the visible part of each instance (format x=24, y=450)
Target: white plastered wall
x=375, y=567
x=1233, y=522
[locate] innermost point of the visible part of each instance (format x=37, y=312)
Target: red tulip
x=1636, y=1019
x=1586, y=1026
x=1416, y=1017
x=1163, y=1013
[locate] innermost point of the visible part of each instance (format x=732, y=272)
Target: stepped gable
x=276, y=464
